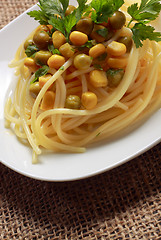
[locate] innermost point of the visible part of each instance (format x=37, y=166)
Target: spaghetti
x=65, y=129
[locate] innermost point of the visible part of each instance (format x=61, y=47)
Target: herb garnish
x=40, y=72
x=53, y=50
x=143, y=14
x=53, y=12
x=103, y=9
x=31, y=50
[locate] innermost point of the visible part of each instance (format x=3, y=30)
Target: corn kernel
x=78, y=38
x=125, y=32
x=48, y=100
x=30, y=63
x=66, y=50
x=58, y=39
x=116, y=49
x=97, y=50
x=89, y=100
x=98, y=78
x=56, y=61
x=117, y=62
x=44, y=79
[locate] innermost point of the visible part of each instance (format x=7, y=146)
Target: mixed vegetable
x=93, y=34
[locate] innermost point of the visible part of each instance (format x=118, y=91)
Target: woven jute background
x=124, y=203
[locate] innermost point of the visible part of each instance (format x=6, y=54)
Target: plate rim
x=91, y=174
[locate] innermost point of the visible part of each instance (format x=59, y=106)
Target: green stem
x=130, y=22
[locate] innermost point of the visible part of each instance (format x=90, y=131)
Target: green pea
x=117, y=20
x=127, y=41
x=41, y=57
x=41, y=39
x=114, y=77
x=73, y=102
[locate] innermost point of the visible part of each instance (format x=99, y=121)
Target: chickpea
x=66, y=50
x=95, y=35
x=97, y=50
x=27, y=43
x=73, y=102
x=117, y=20
x=82, y=61
x=69, y=10
x=41, y=39
x=127, y=41
x=85, y=25
x=78, y=38
x=35, y=88
x=41, y=57
x=114, y=77
x=89, y=100
x=56, y=61
x=58, y=39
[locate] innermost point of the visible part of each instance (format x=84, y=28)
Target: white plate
x=63, y=167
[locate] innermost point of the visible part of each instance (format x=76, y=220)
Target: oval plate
x=63, y=167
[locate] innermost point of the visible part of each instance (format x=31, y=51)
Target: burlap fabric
x=124, y=203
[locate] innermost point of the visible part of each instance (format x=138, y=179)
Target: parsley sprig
x=53, y=12
x=103, y=9
x=142, y=15
x=40, y=72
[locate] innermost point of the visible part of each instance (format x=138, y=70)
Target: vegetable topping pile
x=93, y=34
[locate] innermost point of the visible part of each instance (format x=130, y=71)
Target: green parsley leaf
x=142, y=32
x=61, y=68
x=65, y=4
x=103, y=32
x=51, y=7
x=143, y=14
x=40, y=72
x=69, y=23
x=98, y=134
x=97, y=66
x=104, y=9
x=39, y=15
x=31, y=50
x=88, y=44
x=57, y=23
x=147, y=11
x=53, y=50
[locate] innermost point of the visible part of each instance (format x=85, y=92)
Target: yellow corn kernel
x=116, y=49
x=78, y=38
x=66, y=50
x=44, y=79
x=97, y=50
x=125, y=32
x=89, y=100
x=30, y=63
x=56, y=61
x=117, y=62
x=58, y=39
x=48, y=100
x=98, y=78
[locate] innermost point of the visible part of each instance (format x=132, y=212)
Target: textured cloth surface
x=124, y=203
